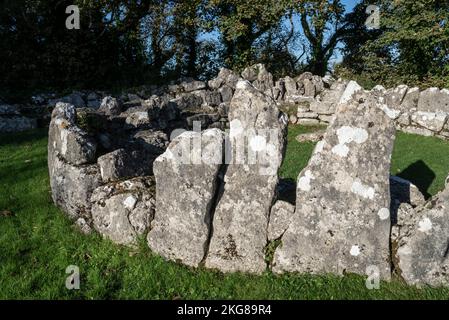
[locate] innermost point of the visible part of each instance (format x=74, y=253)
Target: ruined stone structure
x=127, y=168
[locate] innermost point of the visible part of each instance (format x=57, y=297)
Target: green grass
x=37, y=242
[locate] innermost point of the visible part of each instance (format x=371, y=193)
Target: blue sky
x=349, y=5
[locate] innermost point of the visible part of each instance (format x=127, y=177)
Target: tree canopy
x=127, y=43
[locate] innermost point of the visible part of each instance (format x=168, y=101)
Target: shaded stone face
x=186, y=180
x=72, y=186
x=241, y=217
x=421, y=247
x=342, y=219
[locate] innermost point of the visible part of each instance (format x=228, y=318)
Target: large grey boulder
x=259, y=76
x=224, y=77
x=186, y=182
x=421, y=247
x=342, y=218
x=123, y=211
x=66, y=139
x=72, y=186
x=257, y=128
x=194, y=85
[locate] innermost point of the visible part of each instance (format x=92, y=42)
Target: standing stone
x=186, y=180
x=342, y=218
x=421, y=251
x=257, y=136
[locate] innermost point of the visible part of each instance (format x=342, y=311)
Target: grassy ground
x=37, y=242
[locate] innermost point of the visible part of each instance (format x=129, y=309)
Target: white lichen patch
x=362, y=190
x=347, y=134
x=130, y=202
x=304, y=181
x=340, y=150
x=425, y=225
x=383, y=213
x=355, y=250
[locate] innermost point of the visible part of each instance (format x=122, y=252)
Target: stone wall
x=213, y=197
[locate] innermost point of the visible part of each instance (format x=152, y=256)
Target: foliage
x=131, y=43
x=411, y=47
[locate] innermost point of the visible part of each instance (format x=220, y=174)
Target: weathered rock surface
x=73, y=144
x=280, y=217
x=421, y=247
x=72, y=186
x=110, y=106
x=342, y=218
x=71, y=179
x=433, y=100
x=241, y=217
x=123, y=211
x=186, y=181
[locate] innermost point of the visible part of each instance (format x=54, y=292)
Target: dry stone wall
x=129, y=167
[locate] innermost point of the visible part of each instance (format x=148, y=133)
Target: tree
x=412, y=45
x=242, y=22
x=323, y=26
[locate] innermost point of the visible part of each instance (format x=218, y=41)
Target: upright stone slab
x=257, y=136
x=342, y=218
x=421, y=251
x=186, y=179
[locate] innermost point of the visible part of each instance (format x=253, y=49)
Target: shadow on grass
x=22, y=137
x=286, y=190
x=420, y=175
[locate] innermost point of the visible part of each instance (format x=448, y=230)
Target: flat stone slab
x=342, y=218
